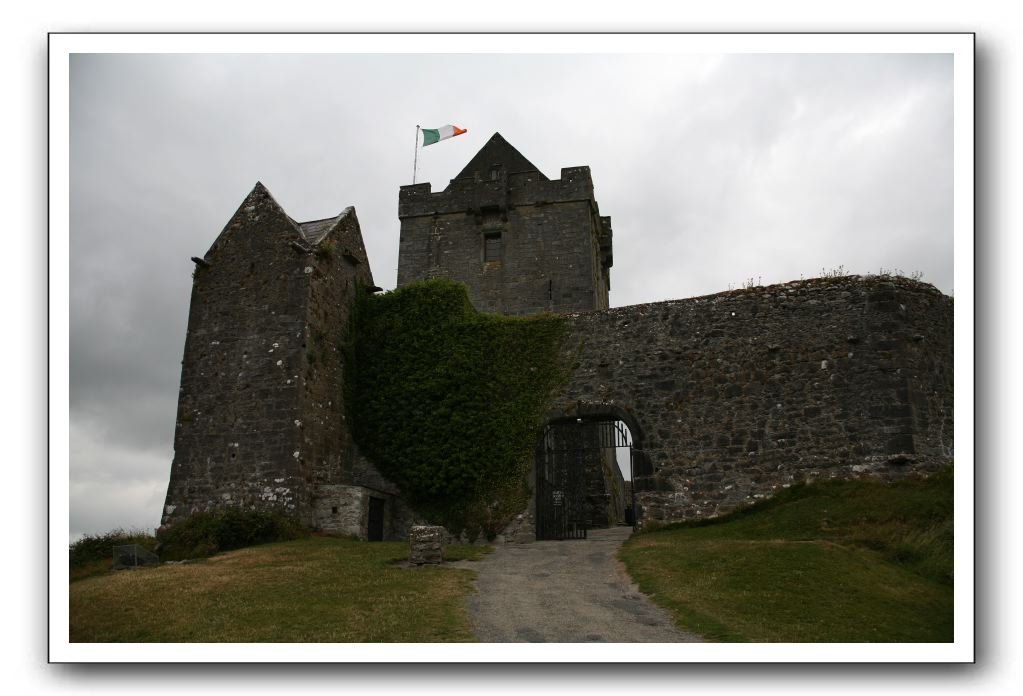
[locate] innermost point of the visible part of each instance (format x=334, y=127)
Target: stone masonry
x=261, y=416
x=426, y=544
x=522, y=243
x=729, y=397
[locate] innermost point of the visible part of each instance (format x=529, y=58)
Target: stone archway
x=584, y=471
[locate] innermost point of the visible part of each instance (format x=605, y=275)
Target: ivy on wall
x=448, y=402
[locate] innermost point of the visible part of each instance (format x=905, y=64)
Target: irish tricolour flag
x=435, y=135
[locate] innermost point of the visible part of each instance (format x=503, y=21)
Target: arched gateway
x=585, y=468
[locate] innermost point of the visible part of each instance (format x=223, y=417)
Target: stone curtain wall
x=551, y=238
x=736, y=395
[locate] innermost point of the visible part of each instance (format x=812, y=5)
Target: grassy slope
x=311, y=590
x=832, y=562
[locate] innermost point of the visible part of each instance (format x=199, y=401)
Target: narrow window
x=492, y=246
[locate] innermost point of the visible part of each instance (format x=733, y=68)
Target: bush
x=207, y=533
x=100, y=547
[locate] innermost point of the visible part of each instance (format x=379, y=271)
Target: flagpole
x=415, y=160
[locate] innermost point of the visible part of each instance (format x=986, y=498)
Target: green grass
x=317, y=589
x=848, y=561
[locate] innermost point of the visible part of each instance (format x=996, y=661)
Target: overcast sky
x=714, y=170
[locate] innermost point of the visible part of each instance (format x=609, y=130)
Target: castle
x=722, y=400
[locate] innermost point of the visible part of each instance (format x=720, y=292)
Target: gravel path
x=564, y=592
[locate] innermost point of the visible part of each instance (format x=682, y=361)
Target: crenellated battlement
x=524, y=188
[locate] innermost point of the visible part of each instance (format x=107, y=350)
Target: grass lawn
x=316, y=589
x=845, y=561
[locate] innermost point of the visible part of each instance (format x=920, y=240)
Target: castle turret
x=521, y=242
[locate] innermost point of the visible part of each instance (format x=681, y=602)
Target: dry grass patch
x=311, y=590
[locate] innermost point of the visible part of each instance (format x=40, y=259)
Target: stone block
x=425, y=544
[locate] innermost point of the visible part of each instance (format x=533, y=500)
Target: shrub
x=207, y=533
x=100, y=547
x=326, y=250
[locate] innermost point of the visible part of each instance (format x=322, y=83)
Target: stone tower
x=521, y=242
x=261, y=420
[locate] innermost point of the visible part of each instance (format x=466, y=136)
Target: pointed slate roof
x=310, y=234
x=314, y=231
x=498, y=151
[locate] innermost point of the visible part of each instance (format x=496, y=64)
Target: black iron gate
x=565, y=451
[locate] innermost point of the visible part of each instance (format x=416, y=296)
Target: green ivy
x=448, y=402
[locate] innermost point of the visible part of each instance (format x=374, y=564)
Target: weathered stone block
x=425, y=544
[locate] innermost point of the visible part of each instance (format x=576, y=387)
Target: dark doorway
x=375, y=528
x=578, y=478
